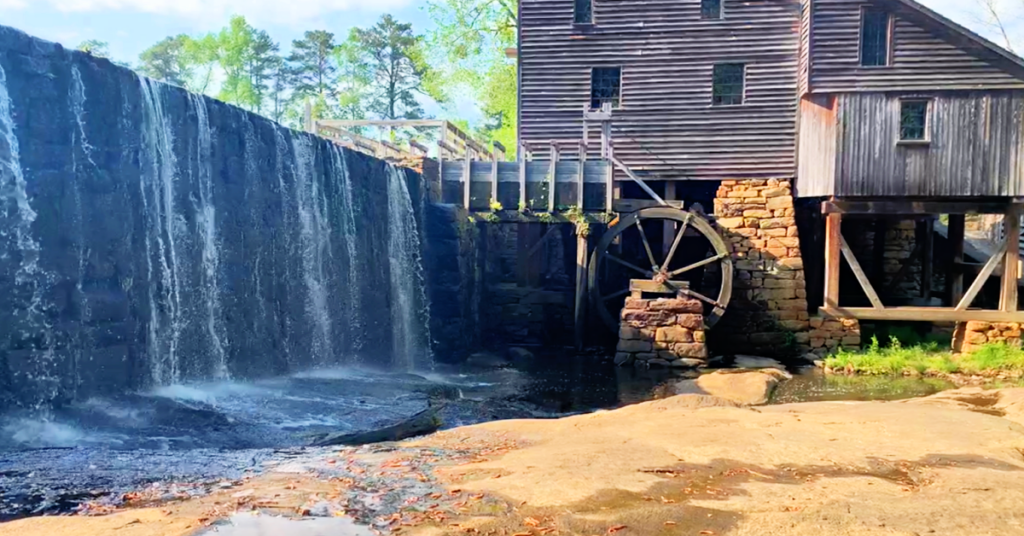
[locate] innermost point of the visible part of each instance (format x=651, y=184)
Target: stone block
x=817, y=342
x=777, y=192
x=772, y=233
x=646, y=356
x=731, y=223
x=790, y=264
x=784, y=242
x=817, y=322
x=850, y=341
x=1012, y=334
x=691, y=350
x=624, y=358
x=777, y=223
x=779, y=203
x=680, y=305
x=802, y=338
x=628, y=333
x=658, y=362
x=634, y=346
x=1004, y=326
x=778, y=253
x=794, y=325
x=674, y=334
x=698, y=336
x=792, y=231
x=688, y=362
x=645, y=317
x=636, y=304
x=691, y=322
x=993, y=333
x=756, y=213
x=978, y=326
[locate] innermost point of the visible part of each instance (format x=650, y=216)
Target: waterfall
x=159, y=175
x=409, y=328
x=349, y=235
x=207, y=223
x=19, y=252
x=314, y=247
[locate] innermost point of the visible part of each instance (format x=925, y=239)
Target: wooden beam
x=494, y=179
x=862, y=278
x=833, y=239
x=467, y=180
x=607, y=153
x=625, y=206
x=653, y=287
x=552, y=171
x=1011, y=267
x=927, y=257
x=922, y=314
x=954, y=275
x=979, y=282
x=669, y=231
x=523, y=157
x=643, y=185
x=913, y=208
x=582, y=257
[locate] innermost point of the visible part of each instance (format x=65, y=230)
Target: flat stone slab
x=259, y=525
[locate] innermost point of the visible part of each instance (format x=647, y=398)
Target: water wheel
x=667, y=246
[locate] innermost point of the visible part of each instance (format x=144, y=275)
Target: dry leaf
x=615, y=529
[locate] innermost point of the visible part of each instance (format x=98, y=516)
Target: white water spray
x=207, y=223
x=410, y=333
x=160, y=175
x=350, y=236
x=315, y=245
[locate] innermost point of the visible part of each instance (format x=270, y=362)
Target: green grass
x=927, y=358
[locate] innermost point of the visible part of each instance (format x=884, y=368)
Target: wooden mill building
x=862, y=110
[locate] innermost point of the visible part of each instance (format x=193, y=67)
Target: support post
x=494, y=178
x=582, y=257
x=583, y=166
x=524, y=157
x=955, y=273
x=467, y=178
x=670, y=227
x=552, y=171
x=1008, y=296
x=833, y=254
x=608, y=153
x=927, y=257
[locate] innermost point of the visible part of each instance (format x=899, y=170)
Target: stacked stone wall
x=662, y=333
x=971, y=336
x=769, y=312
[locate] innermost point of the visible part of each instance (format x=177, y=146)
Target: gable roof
x=959, y=34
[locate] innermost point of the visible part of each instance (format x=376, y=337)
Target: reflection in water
x=820, y=387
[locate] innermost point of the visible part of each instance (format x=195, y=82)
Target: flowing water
x=411, y=338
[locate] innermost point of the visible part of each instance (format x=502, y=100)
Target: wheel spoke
x=696, y=265
x=647, y=245
x=701, y=297
x=629, y=265
x=614, y=295
x=675, y=245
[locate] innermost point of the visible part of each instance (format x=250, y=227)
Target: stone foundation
x=769, y=312
x=662, y=333
x=828, y=335
x=970, y=336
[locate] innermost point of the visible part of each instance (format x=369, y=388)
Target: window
x=727, y=86
x=874, y=38
x=605, y=87
x=914, y=120
x=584, y=12
x=710, y=9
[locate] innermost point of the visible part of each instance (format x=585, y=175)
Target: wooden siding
x=817, y=152
x=925, y=55
x=806, y=42
x=666, y=127
x=976, y=147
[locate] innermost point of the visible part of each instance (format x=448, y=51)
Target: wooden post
x=582, y=257
x=552, y=171
x=608, y=152
x=583, y=166
x=494, y=179
x=955, y=273
x=833, y=253
x=467, y=177
x=1011, y=269
x=670, y=227
x=927, y=257
x=524, y=157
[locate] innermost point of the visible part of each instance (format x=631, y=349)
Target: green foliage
x=397, y=68
x=546, y=217
x=575, y=214
x=169, y=61
x=491, y=218
x=496, y=205
x=313, y=64
x=471, y=37
x=94, y=47
x=926, y=358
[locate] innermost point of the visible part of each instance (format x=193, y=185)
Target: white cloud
x=288, y=11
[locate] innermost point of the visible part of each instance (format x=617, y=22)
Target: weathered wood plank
x=1011, y=266
x=982, y=278
x=858, y=271
x=833, y=239
x=954, y=275
x=653, y=287
x=582, y=257
x=922, y=314
x=913, y=208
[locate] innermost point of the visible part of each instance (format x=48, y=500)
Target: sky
x=131, y=26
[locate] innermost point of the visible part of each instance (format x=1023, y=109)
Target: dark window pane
x=727, y=86
x=874, y=38
x=584, y=12
x=711, y=9
x=913, y=121
x=605, y=86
